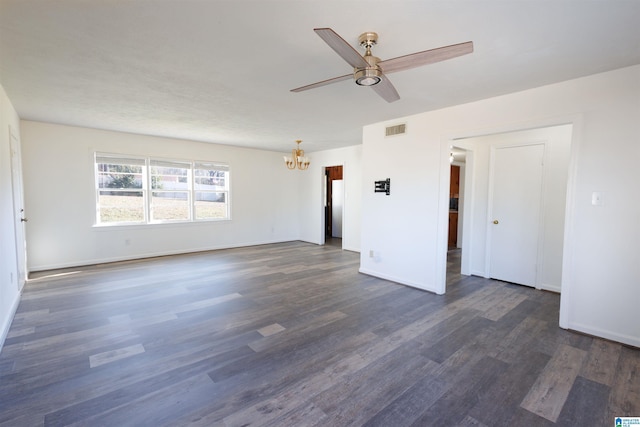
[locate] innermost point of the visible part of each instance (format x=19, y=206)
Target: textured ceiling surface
x=221, y=71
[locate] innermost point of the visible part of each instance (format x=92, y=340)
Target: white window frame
x=212, y=166
x=168, y=163
x=121, y=159
x=147, y=188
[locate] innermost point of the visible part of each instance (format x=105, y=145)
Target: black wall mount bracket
x=383, y=186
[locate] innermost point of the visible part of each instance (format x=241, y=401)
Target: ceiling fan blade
x=342, y=48
x=425, y=57
x=386, y=90
x=323, y=83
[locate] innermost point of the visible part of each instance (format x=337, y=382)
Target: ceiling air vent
x=396, y=130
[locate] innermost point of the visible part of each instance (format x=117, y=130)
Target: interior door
x=516, y=188
x=18, y=208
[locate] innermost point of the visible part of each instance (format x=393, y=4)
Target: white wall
x=557, y=143
x=311, y=197
x=601, y=263
x=9, y=295
x=60, y=198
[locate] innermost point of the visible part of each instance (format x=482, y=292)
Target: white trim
x=567, y=249
x=158, y=254
x=147, y=190
x=398, y=280
x=550, y=288
x=9, y=320
x=467, y=213
x=442, y=239
x=350, y=249
x=448, y=139
x=603, y=333
x=540, y=261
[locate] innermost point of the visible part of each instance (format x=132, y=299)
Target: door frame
x=448, y=139
x=17, y=190
x=323, y=216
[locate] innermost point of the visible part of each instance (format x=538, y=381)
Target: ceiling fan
x=369, y=70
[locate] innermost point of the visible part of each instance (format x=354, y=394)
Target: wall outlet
x=597, y=199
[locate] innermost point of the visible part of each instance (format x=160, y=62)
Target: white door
x=516, y=191
x=18, y=208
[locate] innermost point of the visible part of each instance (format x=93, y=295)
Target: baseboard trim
x=356, y=250
x=133, y=257
x=396, y=280
x=550, y=288
x=602, y=333
x=6, y=323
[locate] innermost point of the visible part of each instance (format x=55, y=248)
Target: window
x=147, y=190
x=170, y=188
x=211, y=191
x=121, y=193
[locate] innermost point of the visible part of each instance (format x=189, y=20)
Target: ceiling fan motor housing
x=372, y=74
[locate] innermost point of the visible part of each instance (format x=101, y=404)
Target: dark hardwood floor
x=291, y=334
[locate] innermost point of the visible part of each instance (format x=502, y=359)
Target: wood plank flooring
x=291, y=334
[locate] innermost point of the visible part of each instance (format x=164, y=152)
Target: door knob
x=23, y=220
x=495, y=221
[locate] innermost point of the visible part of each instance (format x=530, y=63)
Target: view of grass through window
x=138, y=190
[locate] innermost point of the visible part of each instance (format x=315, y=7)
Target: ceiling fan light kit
x=367, y=76
x=369, y=70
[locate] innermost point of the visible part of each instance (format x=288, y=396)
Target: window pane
x=167, y=175
x=141, y=190
x=121, y=206
x=211, y=205
x=121, y=176
x=170, y=206
x=211, y=178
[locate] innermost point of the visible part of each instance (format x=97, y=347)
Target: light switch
x=596, y=198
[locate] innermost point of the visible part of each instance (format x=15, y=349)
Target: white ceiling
x=221, y=71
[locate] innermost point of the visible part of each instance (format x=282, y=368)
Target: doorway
x=454, y=199
x=457, y=172
x=478, y=257
x=334, y=205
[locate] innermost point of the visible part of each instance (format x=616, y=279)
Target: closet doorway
x=333, y=206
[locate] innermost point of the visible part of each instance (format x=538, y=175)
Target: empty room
x=208, y=219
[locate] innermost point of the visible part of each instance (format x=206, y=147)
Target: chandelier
x=297, y=159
